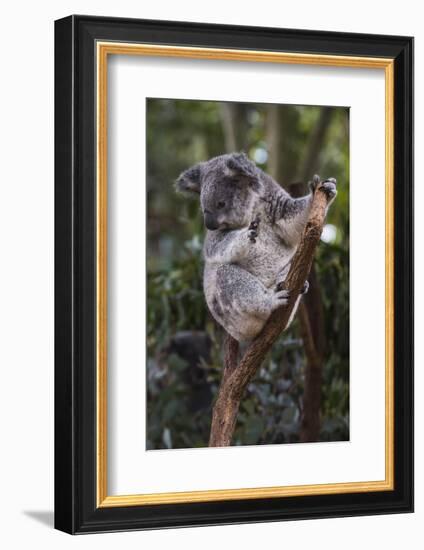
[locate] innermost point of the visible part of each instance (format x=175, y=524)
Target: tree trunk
x=309, y=165
x=311, y=420
x=282, y=156
x=311, y=314
x=235, y=126
x=311, y=320
x=311, y=311
x=236, y=377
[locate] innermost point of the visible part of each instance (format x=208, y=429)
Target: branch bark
x=236, y=379
x=311, y=323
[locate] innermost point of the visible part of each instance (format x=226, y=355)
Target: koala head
x=228, y=187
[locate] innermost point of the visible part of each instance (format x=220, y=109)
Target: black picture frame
x=76, y=510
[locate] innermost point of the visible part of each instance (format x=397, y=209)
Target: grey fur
x=254, y=228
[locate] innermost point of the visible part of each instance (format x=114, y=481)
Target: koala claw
x=252, y=235
x=280, y=288
x=305, y=287
x=282, y=296
x=329, y=188
x=316, y=180
x=253, y=229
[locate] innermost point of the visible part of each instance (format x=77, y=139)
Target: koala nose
x=210, y=221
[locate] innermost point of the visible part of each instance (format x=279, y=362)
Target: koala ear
x=189, y=181
x=240, y=164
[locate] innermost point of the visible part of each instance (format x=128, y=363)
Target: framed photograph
x=234, y=274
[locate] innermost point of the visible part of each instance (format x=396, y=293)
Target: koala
x=253, y=230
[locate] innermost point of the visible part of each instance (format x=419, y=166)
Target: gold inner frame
x=103, y=50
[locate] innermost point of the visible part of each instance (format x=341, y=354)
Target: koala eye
x=220, y=205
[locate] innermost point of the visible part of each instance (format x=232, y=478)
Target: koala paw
x=305, y=287
x=329, y=188
x=253, y=229
x=281, y=297
x=280, y=288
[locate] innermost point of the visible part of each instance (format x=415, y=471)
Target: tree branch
x=311, y=323
x=235, y=380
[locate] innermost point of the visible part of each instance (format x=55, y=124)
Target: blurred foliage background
x=296, y=396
